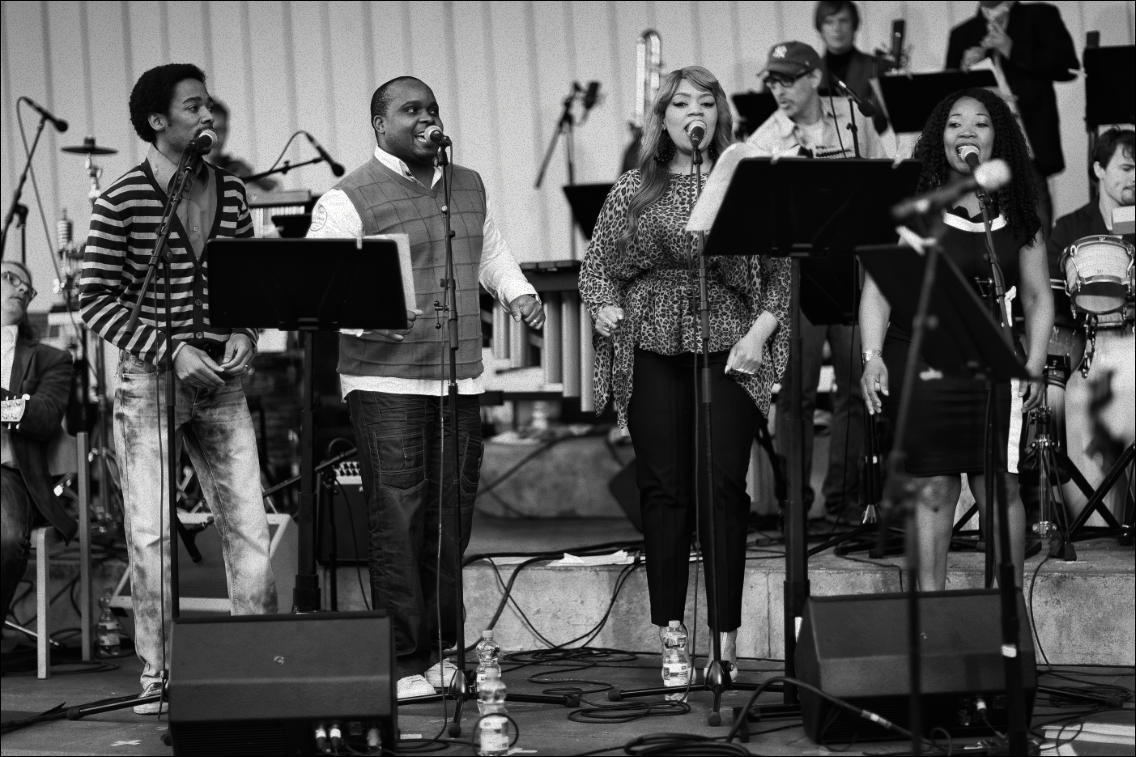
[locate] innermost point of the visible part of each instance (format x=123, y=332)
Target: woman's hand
x=608, y=320
x=874, y=382
x=745, y=355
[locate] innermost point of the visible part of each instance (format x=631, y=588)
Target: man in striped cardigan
x=169, y=106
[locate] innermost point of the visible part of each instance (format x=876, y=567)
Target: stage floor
x=543, y=729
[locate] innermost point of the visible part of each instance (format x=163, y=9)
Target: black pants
x=664, y=424
x=401, y=448
x=19, y=516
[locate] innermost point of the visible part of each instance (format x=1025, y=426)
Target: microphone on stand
x=988, y=176
x=435, y=135
x=696, y=130
x=867, y=110
x=969, y=153
x=202, y=143
x=336, y=168
x=59, y=124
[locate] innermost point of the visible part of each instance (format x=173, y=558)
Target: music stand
x=586, y=201
x=953, y=331
x=908, y=99
x=306, y=285
x=1108, y=100
x=753, y=109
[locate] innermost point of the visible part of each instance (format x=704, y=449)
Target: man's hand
x=527, y=308
x=972, y=56
x=997, y=39
x=239, y=352
x=1030, y=391
x=397, y=335
x=196, y=368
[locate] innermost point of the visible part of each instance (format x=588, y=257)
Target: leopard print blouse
x=656, y=285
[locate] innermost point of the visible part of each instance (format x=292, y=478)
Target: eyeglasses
x=17, y=282
x=785, y=82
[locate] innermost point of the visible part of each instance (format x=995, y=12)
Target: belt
x=215, y=350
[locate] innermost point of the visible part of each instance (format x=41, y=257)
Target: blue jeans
x=18, y=515
x=406, y=463
x=216, y=429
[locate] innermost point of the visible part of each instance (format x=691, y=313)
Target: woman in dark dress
x=947, y=425
x=640, y=284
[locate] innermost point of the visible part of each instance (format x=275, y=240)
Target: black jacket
x=862, y=69
x=1042, y=53
x=43, y=373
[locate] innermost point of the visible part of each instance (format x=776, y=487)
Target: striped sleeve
x=235, y=191
x=103, y=301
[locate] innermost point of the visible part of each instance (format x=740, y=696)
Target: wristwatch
x=867, y=355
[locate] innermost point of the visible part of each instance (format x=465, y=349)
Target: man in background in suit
x=38, y=379
x=1031, y=46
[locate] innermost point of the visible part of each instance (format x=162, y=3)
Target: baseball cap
x=790, y=58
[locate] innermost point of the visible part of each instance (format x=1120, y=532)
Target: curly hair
x=654, y=176
x=1018, y=199
x=152, y=94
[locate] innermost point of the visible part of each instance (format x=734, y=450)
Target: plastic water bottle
x=676, y=659
x=108, y=630
x=488, y=653
x=495, y=730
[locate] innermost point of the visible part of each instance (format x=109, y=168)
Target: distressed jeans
x=216, y=429
x=406, y=462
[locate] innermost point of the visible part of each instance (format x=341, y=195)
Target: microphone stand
x=282, y=169
x=1016, y=732
x=15, y=207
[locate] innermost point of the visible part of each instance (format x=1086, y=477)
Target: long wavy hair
x=654, y=176
x=1018, y=199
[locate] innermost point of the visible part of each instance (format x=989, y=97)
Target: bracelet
x=867, y=355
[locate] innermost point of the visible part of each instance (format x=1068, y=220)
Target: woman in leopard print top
x=640, y=283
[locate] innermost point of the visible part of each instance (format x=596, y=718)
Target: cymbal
x=89, y=148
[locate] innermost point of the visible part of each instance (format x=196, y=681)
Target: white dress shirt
x=335, y=217
x=8, y=343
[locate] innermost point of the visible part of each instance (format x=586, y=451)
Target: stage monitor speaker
x=855, y=648
x=344, y=527
x=263, y=684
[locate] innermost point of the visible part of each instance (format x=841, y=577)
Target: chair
x=67, y=455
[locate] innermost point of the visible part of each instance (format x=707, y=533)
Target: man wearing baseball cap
x=804, y=125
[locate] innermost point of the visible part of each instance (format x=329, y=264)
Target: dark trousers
x=846, y=439
x=18, y=516
x=664, y=421
x=405, y=462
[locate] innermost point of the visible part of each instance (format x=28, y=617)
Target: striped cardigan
x=124, y=229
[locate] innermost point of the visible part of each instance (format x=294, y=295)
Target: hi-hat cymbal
x=89, y=148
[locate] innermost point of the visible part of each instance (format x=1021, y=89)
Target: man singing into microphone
x=805, y=125
x=394, y=382
x=169, y=108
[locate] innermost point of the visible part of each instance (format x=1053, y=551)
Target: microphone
x=202, y=143
x=988, y=176
x=696, y=130
x=59, y=124
x=969, y=154
x=435, y=135
x=336, y=168
x=867, y=110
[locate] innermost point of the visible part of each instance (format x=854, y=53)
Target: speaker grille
x=247, y=738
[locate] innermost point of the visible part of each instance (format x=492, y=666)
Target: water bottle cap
x=487, y=633
x=676, y=624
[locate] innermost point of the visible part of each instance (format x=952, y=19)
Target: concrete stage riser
x=1083, y=615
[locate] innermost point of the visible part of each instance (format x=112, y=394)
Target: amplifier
x=855, y=648
x=349, y=533
x=274, y=684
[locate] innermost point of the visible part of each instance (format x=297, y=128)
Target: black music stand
x=794, y=207
x=909, y=98
x=306, y=285
x=753, y=109
x=953, y=331
x=586, y=201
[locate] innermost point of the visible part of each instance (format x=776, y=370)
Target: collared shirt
x=8, y=345
x=335, y=217
x=829, y=137
x=198, y=208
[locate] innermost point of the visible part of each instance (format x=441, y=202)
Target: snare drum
x=1098, y=273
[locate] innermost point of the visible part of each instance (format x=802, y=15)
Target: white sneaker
x=151, y=708
x=414, y=686
x=441, y=673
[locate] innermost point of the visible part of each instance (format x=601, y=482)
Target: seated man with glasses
x=805, y=125
x=36, y=382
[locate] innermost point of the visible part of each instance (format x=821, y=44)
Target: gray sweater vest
x=391, y=204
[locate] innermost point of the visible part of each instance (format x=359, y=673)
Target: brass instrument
x=648, y=76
